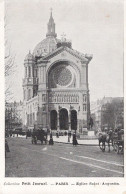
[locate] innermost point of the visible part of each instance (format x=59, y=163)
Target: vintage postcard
x=63, y=102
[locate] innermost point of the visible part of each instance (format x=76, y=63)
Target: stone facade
x=13, y=115
x=56, y=93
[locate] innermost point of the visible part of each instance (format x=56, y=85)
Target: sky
x=94, y=27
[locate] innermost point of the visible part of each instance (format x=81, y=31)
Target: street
x=60, y=160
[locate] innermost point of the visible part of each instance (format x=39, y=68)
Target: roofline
x=71, y=51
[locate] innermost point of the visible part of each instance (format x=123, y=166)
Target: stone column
x=78, y=119
x=83, y=75
x=58, y=127
x=69, y=120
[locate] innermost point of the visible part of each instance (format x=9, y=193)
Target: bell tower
x=30, y=80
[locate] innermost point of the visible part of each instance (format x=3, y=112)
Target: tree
x=112, y=114
x=9, y=60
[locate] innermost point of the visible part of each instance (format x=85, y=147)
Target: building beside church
x=55, y=86
x=108, y=113
x=13, y=115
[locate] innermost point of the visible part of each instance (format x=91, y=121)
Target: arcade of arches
x=62, y=120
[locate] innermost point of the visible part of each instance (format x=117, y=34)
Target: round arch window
x=62, y=75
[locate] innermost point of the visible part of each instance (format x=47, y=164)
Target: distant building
x=13, y=115
x=55, y=86
x=108, y=113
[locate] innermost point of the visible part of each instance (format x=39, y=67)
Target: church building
x=55, y=86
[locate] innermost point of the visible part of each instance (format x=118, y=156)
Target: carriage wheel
x=122, y=150
x=116, y=148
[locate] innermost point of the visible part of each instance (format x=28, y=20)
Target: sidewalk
x=64, y=139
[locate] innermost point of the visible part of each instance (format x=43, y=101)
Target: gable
x=65, y=52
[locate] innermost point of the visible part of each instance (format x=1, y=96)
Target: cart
x=39, y=135
x=118, y=141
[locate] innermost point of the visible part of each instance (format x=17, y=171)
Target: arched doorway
x=53, y=120
x=63, y=119
x=74, y=120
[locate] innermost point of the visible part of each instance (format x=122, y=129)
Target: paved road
x=60, y=160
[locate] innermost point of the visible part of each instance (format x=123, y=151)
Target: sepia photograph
x=64, y=89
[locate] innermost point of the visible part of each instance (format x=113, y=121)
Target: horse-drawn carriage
x=112, y=138
x=118, y=141
x=104, y=138
x=28, y=134
x=40, y=135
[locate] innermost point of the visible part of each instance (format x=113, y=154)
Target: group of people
x=69, y=136
x=74, y=140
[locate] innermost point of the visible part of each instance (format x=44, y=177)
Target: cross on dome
x=63, y=37
x=51, y=12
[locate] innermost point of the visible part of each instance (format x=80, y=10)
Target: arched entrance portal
x=63, y=119
x=53, y=120
x=74, y=120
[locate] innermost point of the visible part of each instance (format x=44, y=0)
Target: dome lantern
x=29, y=57
x=51, y=27
x=49, y=44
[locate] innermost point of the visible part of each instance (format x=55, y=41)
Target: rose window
x=62, y=75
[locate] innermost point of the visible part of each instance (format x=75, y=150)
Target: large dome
x=46, y=46
x=49, y=44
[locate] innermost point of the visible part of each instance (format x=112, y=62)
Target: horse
x=105, y=138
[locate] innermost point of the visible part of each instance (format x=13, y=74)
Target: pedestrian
x=10, y=133
x=74, y=140
x=68, y=138
x=57, y=134
x=46, y=134
x=69, y=134
x=51, y=139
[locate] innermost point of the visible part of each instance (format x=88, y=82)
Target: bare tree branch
x=9, y=60
x=9, y=70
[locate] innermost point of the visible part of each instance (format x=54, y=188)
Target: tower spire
x=51, y=26
x=51, y=12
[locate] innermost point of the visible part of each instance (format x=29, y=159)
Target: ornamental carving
x=63, y=97
x=63, y=54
